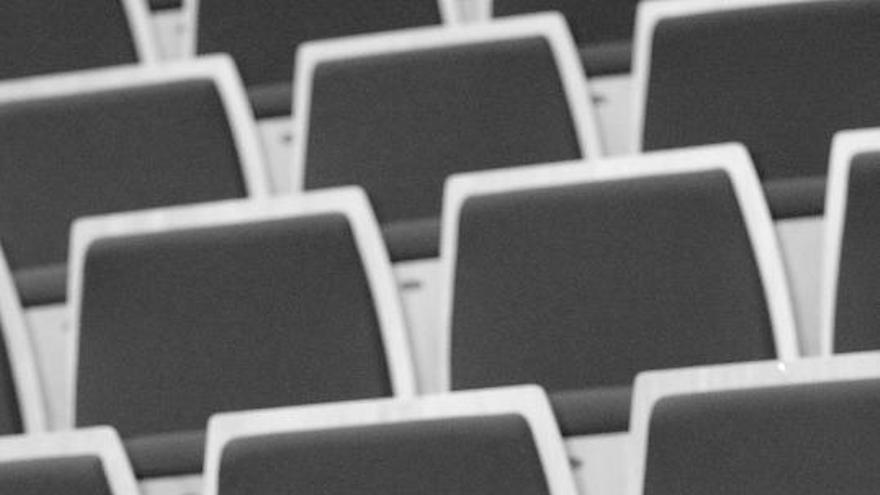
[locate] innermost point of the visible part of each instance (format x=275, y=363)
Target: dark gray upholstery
x=469, y=455
x=801, y=439
x=420, y=116
x=591, y=21
x=857, y=315
x=781, y=79
x=10, y=414
x=263, y=35
x=74, y=475
x=39, y=37
x=67, y=157
x=583, y=286
x=165, y=4
x=175, y=326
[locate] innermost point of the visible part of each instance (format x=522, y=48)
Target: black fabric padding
x=399, y=124
x=607, y=58
x=118, y=150
x=592, y=411
x=168, y=454
x=857, y=314
x=10, y=414
x=74, y=475
x=586, y=285
x=799, y=439
x=178, y=325
x=591, y=21
x=412, y=239
x=467, y=455
x=780, y=79
x=165, y=4
x=41, y=285
x=39, y=37
x=262, y=36
x=271, y=100
x=795, y=197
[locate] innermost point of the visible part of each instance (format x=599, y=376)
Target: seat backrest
x=850, y=279
x=763, y=428
x=591, y=21
x=85, y=461
x=398, y=112
x=22, y=407
x=496, y=441
x=262, y=36
x=67, y=35
x=574, y=277
x=231, y=306
x=757, y=72
x=115, y=140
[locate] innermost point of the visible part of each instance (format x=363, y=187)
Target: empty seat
x=850, y=315
x=398, y=112
x=495, y=441
x=780, y=77
x=21, y=401
x=114, y=140
x=89, y=461
x=602, y=28
x=184, y=312
x=805, y=427
x=66, y=35
x=263, y=35
x=578, y=278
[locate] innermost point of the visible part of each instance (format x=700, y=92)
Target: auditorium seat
x=850, y=315
x=111, y=140
x=398, y=112
x=603, y=29
x=780, y=77
x=81, y=462
x=41, y=37
x=806, y=427
x=262, y=36
x=491, y=441
x=181, y=312
x=577, y=277
x=21, y=397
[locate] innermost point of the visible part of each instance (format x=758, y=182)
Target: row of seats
x=392, y=128
x=659, y=261
x=767, y=427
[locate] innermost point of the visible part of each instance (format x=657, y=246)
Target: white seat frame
x=731, y=158
x=349, y=201
x=13, y=330
x=529, y=401
x=550, y=26
x=652, y=386
x=101, y=441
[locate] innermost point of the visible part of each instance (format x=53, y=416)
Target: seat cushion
x=586, y=285
x=760, y=76
x=494, y=454
x=118, y=150
x=857, y=315
x=803, y=439
x=63, y=35
x=399, y=124
x=74, y=475
x=245, y=316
